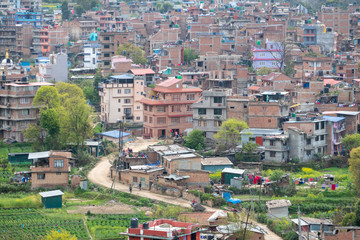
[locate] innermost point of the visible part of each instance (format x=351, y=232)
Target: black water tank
x=298, y=119
x=326, y=90
x=145, y=225
x=134, y=223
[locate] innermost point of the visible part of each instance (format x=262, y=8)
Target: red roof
x=143, y=71
x=177, y=90
x=162, y=102
x=169, y=82
x=276, y=76
x=332, y=82
x=254, y=88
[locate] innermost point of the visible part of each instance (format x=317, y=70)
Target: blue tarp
x=114, y=134
x=227, y=197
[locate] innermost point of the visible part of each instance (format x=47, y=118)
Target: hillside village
x=176, y=120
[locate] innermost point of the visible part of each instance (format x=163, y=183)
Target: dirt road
x=100, y=175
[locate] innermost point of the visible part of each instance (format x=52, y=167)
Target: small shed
x=278, y=208
x=18, y=158
x=215, y=164
x=229, y=173
x=114, y=136
x=52, y=199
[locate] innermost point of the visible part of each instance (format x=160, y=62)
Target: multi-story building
x=270, y=56
x=50, y=169
x=16, y=109
x=209, y=112
x=54, y=71
x=319, y=34
x=120, y=99
x=168, y=110
x=92, y=53
x=336, y=131
x=7, y=5
x=32, y=18
x=8, y=41
x=87, y=27
x=30, y=4
x=336, y=18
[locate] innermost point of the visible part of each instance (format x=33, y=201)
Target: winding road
x=100, y=175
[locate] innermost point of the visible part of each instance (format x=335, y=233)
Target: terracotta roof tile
x=143, y=71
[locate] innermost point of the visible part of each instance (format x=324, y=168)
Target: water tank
x=210, y=237
x=316, y=110
x=326, y=90
x=134, y=223
x=145, y=225
x=298, y=119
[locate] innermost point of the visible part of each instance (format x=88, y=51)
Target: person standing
x=139, y=186
x=130, y=188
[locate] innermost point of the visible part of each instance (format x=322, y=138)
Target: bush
x=262, y=218
x=291, y=236
x=12, y=188
x=215, y=177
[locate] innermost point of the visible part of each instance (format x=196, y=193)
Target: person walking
x=130, y=188
x=139, y=186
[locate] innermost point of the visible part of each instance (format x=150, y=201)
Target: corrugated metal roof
x=37, y=155
x=114, y=134
x=216, y=161
x=51, y=193
x=233, y=170
x=333, y=119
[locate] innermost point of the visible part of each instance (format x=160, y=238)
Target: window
x=161, y=120
x=119, y=91
x=322, y=137
x=106, y=46
x=175, y=108
x=308, y=152
x=127, y=91
x=232, y=107
x=272, y=143
x=119, y=100
x=58, y=173
x=272, y=154
x=127, y=111
x=93, y=50
x=217, y=111
x=137, y=118
x=189, y=119
x=25, y=112
x=217, y=123
x=145, y=118
x=106, y=38
x=322, y=125
x=317, y=138
x=202, y=123
x=59, y=163
x=160, y=108
x=138, y=107
x=316, y=126
x=262, y=63
x=119, y=109
x=24, y=100
x=175, y=120
x=308, y=141
x=202, y=111
x=106, y=54
x=145, y=107
x=188, y=108
x=127, y=101
x=150, y=119
x=190, y=97
x=217, y=99
x=176, y=97
x=41, y=176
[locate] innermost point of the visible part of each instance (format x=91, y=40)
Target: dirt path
x=100, y=175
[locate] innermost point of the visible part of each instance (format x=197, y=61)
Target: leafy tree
x=68, y=90
x=166, y=7
x=136, y=54
x=230, y=132
x=276, y=175
x=264, y=71
x=65, y=10
x=289, y=69
x=354, y=167
x=61, y=235
x=47, y=97
x=250, y=147
x=34, y=134
x=348, y=219
x=79, y=10
x=195, y=140
x=190, y=55
x=351, y=141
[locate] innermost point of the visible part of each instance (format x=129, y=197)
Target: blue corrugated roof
x=333, y=119
x=114, y=134
x=123, y=76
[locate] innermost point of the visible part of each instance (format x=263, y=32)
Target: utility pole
x=119, y=162
x=246, y=223
x=299, y=223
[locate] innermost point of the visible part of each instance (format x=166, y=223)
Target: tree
x=283, y=56
x=59, y=235
x=190, y=55
x=276, y=175
x=357, y=213
x=136, y=54
x=166, y=7
x=68, y=90
x=351, y=141
x=229, y=132
x=65, y=10
x=354, y=168
x=264, y=71
x=47, y=97
x=195, y=140
x=250, y=147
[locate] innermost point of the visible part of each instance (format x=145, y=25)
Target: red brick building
x=168, y=108
x=163, y=229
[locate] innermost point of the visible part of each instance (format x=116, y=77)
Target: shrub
x=215, y=176
x=262, y=218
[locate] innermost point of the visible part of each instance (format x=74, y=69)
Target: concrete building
x=92, y=53
x=278, y=208
x=216, y=163
x=168, y=110
x=120, y=98
x=50, y=169
x=17, y=112
x=257, y=135
x=270, y=56
x=31, y=18
x=276, y=148
x=54, y=71
x=319, y=34
x=352, y=120
x=336, y=131
x=209, y=112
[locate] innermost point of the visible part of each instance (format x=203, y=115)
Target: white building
x=54, y=71
x=92, y=54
